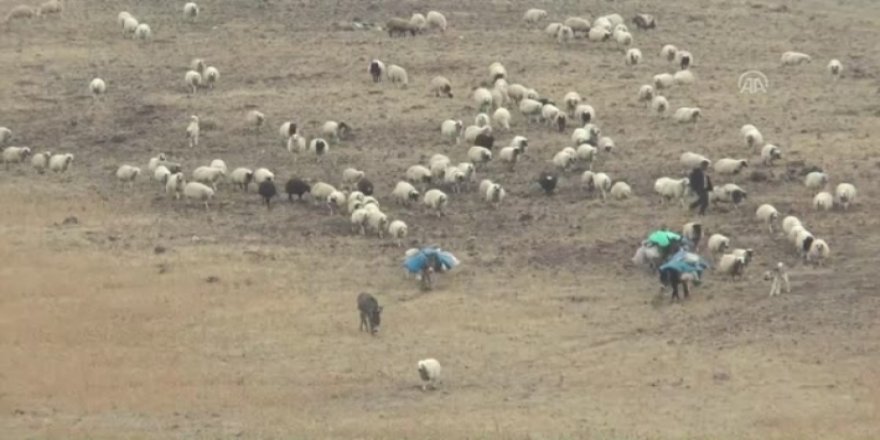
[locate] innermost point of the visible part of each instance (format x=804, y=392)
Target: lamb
x=644, y=21
x=633, y=56
x=429, y=371
x=769, y=154
x=823, y=201
x=730, y=264
x=718, y=243
x=397, y=229
x=691, y=160
x=405, y=193
x=15, y=155
x=370, y=312
x=336, y=131
x=818, y=252
x=40, y=161
x=418, y=21
x=792, y=58
x=663, y=81
x=97, y=87
x=436, y=200
x=267, y=191
x=502, y=118
x=752, y=137
x=816, y=180
x=621, y=190
x=436, y=20
x=376, y=70
x=496, y=71
x=400, y=26
x=584, y=113
x=143, y=32
x=208, y=175
x=687, y=114
x=295, y=143
x=451, y=129
x=127, y=174
x=262, y=174
x=779, y=275
x=671, y=189
x=846, y=194
x=729, y=193
x=5, y=135
x=242, y=177
x=768, y=214
x=483, y=98
x=669, y=52
x=684, y=77
x=684, y=59
x=835, y=68
x=190, y=11
x=397, y=75
x=350, y=177
x=296, y=187
x=192, y=131
x=564, y=35
x=730, y=166
x=59, y=163
x=659, y=104
x=212, y=75
x=693, y=231
x=419, y=174
x=441, y=86
x=193, y=80
x=319, y=147
x=533, y=16
x=198, y=191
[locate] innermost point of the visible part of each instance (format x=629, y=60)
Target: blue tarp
x=416, y=262
x=686, y=262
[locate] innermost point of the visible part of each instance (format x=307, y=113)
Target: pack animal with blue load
x=424, y=262
x=669, y=254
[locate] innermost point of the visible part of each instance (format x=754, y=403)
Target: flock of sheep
x=502, y=106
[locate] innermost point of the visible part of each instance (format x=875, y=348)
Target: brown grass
x=246, y=325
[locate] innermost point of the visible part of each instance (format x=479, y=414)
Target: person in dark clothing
x=701, y=184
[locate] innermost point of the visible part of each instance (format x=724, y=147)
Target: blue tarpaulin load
x=686, y=262
x=417, y=261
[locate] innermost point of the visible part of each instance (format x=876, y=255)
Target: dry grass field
x=152, y=318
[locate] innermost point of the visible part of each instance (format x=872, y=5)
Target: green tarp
x=662, y=238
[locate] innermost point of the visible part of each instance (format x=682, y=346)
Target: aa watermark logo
x=753, y=82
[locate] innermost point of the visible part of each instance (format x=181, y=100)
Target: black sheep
x=267, y=191
x=371, y=312
x=365, y=186
x=296, y=187
x=548, y=180
x=484, y=140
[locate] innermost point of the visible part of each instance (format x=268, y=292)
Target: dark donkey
x=371, y=312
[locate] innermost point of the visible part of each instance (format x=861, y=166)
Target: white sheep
x=659, y=104
x=818, y=252
x=789, y=223
x=397, y=75
x=671, y=189
x=336, y=201
x=816, y=180
x=397, y=229
x=730, y=166
x=483, y=98
x=122, y=16
x=355, y=201
x=502, y=118
x=451, y=130
x=663, y=81
x=802, y=239
x=564, y=35
x=193, y=80
x=212, y=75
x=50, y=7
x=693, y=231
x=5, y=135
x=531, y=109
x=603, y=23
x=668, y=52
x=571, y=100
x=127, y=174
x=624, y=39
x=174, y=184
x=454, y=178
x=517, y=92
x=418, y=21
x=533, y=16
x=192, y=131
x=606, y=144
x=40, y=161
x=509, y=155
x=792, y=58
x=584, y=113
x=685, y=115
x=753, y=138
x=156, y=161
x=320, y=191
x=586, y=153
x=718, y=243
x=15, y=155
x=549, y=112
x=823, y=201
x=143, y=32
x=565, y=159
x=730, y=264
x=621, y=190
x=190, y=11
x=768, y=214
x=335, y=131
x=255, y=119
x=350, y=177
x=198, y=65
x=633, y=56
x=684, y=77
x=419, y=174
x=482, y=120
x=208, y=176
x=319, y=147
x=599, y=33
x=198, y=191
x=436, y=200
x=646, y=94
x=405, y=193
x=441, y=86
x=684, y=59
x=359, y=221
x=262, y=175
x=429, y=371
x=691, y=160
x=552, y=29
x=219, y=164
x=835, y=68
x=129, y=26
x=472, y=131
x=161, y=174
x=728, y=193
x=846, y=194
x=97, y=87
x=436, y=20
x=497, y=70
x=59, y=163
x=769, y=154
x=296, y=144
x=594, y=181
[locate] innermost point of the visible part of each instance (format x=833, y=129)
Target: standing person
x=701, y=184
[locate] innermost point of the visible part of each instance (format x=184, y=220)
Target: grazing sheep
x=718, y=243
x=684, y=77
x=242, y=177
x=572, y=100
x=792, y=58
x=192, y=131
x=255, y=119
x=50, y=7
x=769, y=154
x=198, y=65
x=15, y=155
x=685, y=115
x=405, y=193
x=358, y=221
x=400, y=26
x=730, y=166
x=208, y=176
x=262, y=174
x=752, y=137
x=584, y=113
x=365, y=186
x=419, y=174
x=472, y=132
x=533, y=16
x=818, y=252
x=823, y=201
x=669, y=52
x=350, y=177
x=319, y=147
x=129, y=26
x=671, y=189
x=336, y=131
x=552, y=29
x=549, y=112
x=198, y=191
x=846, y=194
x=802, y=239
x=370, y=311
x=143, y=32
x=336, y=200
x=693, y=231
x=320, y=191
x=509, y=155
x=564, y=35
x=175, y=184
x=767, y=214
x=193, y=80
x=789, y=223
x=633, y=56
x=441, y=87
x=483, y=98
x=40, y=161
x=59, y=163
x=219, y=164
x=606, y=144
x=5, y=136
x=547, y=181
x=429, y=371
x=451, y=130
x=646, y=94
x=21, y=12
x=659, y=104
x=418, y=21
x=816, y=180
x=663, y=81
x=497, y=71
x=267, y=191
x=835, y=68
x=211, y=76
x=161, y=175
x=644, y=21
x=621, y=190
x=436, y=20
x=190, y=11
x=691, y=160
x=730, y=264
x=398, y=230
x=593, y=181
x=397, y=75
x=97, y=87
x=565, y=159
x=502, y=118
x=376, y=70
x=482, y=120
x=127, y=174
x=296, y=187
x=377, y=221
x=779, y=275
x=684, y=59
x=728, y=193
x=624, y=39
x=436, y=200
x=599, y=33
